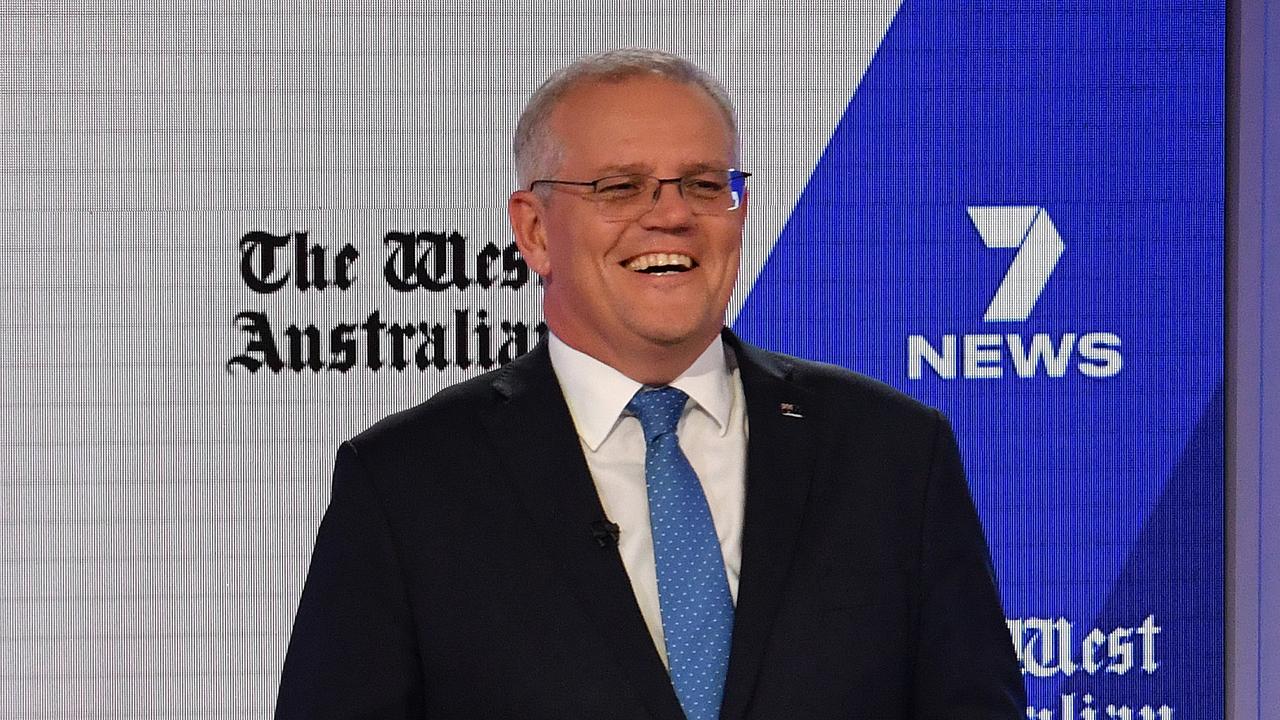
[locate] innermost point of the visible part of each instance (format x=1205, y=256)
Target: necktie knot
x=658, y=410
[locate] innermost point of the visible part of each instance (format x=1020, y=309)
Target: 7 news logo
x=1029, y=230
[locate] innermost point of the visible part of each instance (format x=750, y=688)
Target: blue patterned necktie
x=693, y=593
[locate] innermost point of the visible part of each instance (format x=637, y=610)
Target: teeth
x=641, y=263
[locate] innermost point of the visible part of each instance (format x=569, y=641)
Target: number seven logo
x=1029, y=229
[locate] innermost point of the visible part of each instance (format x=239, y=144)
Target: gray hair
x=533, y=145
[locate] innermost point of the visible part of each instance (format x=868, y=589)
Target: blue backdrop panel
x=1019, y=220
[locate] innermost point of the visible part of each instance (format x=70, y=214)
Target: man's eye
x=617, y=188
x=705, y=187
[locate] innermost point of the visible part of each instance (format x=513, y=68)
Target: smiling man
x=639, y=260
x=646, y=517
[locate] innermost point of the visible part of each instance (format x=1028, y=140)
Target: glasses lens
x=624, y=196
x=713, y=192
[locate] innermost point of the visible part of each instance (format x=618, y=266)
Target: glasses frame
x=735, y=175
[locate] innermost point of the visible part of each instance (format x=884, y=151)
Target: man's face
x=597, y=296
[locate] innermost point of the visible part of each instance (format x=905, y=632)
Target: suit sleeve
x=353, y=651
x=966, y=667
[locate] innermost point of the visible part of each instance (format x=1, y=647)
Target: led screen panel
x=1019, y=219
x=234, y=234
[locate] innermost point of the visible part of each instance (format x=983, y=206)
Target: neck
x=647, y=363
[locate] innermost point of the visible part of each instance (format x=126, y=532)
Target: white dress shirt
x=712, y=433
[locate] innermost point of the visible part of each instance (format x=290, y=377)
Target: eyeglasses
x=626, y=197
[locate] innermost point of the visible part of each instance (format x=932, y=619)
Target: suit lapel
x=780, y=456
x=530, y=421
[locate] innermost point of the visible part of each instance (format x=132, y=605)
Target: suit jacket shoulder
x=839, y=384
x=447, y=429
x=843, y=404
x=450, y=406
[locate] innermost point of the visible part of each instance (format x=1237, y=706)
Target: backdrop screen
x=233, y=235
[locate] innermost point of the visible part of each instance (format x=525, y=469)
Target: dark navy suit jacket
x=459, y=571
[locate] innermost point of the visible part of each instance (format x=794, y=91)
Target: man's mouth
x=660, y=263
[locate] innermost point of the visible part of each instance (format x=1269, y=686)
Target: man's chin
x=671, y=336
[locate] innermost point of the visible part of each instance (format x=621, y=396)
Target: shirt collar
x=597, y=394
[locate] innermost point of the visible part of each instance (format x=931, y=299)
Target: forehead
x=648, y=124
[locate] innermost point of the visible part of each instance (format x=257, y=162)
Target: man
x=599, y=537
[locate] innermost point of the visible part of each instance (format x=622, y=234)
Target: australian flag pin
x=791, y=410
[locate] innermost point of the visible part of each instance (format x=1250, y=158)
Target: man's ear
x=525, y=209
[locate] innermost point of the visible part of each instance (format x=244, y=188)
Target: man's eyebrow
x=629, y=169
x=698, y=167
x=643, y=169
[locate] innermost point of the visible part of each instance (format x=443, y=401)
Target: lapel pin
x=791, y=410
